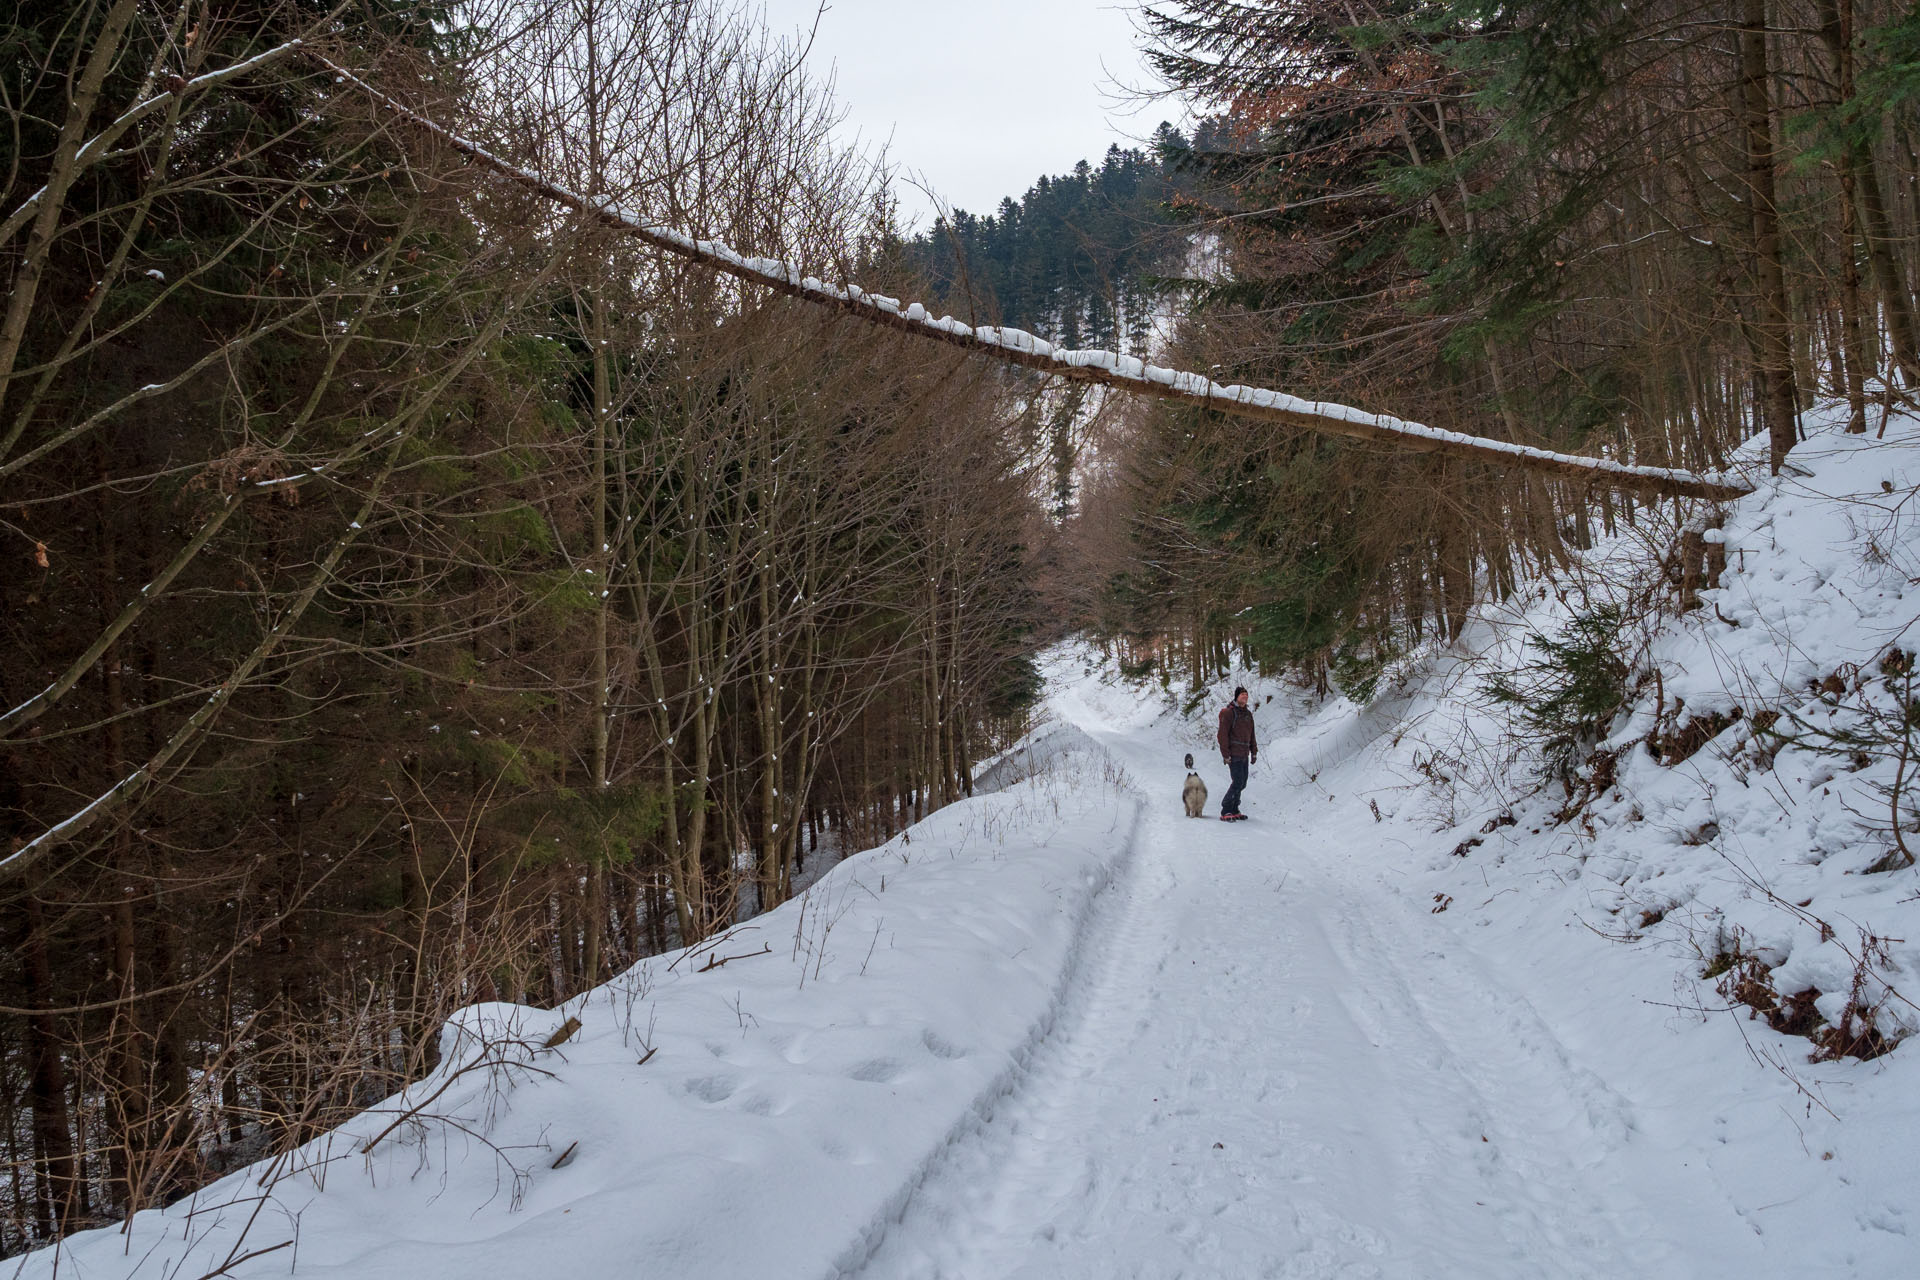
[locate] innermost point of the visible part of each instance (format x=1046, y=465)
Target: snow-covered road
x=1058, y=1030
x=1269, y=1067
x=1063, y=1032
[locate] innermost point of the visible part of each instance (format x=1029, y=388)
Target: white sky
x=979, y=97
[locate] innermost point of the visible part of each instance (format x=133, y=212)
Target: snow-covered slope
x=1422, y=1017
x=756, y=1107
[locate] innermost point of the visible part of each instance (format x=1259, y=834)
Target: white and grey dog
x=1194, y=794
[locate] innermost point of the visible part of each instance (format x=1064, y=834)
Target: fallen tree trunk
x=1104, y=368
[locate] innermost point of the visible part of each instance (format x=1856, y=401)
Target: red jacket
x=1236, y=733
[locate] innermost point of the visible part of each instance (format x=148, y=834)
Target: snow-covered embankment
x=760, y=1105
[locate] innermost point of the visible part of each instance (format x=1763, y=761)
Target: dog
x=1194, y=794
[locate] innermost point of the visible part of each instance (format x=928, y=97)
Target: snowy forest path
x=1267, y=1067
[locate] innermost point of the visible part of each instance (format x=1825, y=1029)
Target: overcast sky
x=979, y=97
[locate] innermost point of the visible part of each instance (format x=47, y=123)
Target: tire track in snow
x=1478, y=1062
x=972, y=1214
x=876, y=1237
x=1135, y=1141
x=1260, y=1068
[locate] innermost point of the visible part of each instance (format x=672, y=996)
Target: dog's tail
x=1189, y=762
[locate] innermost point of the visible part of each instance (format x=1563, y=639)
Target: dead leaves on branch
x=250, y=466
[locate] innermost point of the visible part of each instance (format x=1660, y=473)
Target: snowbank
x=760, y=1105
x=1748, y=816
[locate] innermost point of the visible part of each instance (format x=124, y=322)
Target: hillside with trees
x=1081, y=258
x=414, y=597
x=1076, y=258
x=421, y=594
x=1645, y=230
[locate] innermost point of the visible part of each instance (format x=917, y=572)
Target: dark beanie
x=1239, y=689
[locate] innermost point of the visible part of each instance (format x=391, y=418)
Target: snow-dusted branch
x=34, y=707
x=101, y=143
x=1106, y=368
x=188, y=733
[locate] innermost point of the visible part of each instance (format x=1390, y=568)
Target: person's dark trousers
x=1230, y=803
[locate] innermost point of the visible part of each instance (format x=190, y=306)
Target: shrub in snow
x=1568, y=696
x=1358, y=666
x=1872, y=723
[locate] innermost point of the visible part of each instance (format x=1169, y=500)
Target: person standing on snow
x=1238, y=749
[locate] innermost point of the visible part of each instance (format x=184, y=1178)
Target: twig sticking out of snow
x=1126, y=373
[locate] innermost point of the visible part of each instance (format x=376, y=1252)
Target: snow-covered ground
x=1061, y=1030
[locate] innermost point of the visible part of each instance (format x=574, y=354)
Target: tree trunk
x=1836, y=28
x=56, y=1184
x=1771, y=331
x=595, y=923
x=1894, y=297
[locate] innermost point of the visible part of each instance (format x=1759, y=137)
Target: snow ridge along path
x=1089, y=930
x=761, y=1105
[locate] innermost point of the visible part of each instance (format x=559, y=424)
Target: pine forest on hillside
x=1076, y=258
x=417, y=593
x=1644, y=229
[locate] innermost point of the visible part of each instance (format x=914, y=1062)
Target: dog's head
x=1189, y=762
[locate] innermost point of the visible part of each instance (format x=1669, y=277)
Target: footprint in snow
x=712, y=1088
x=940, y=1047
